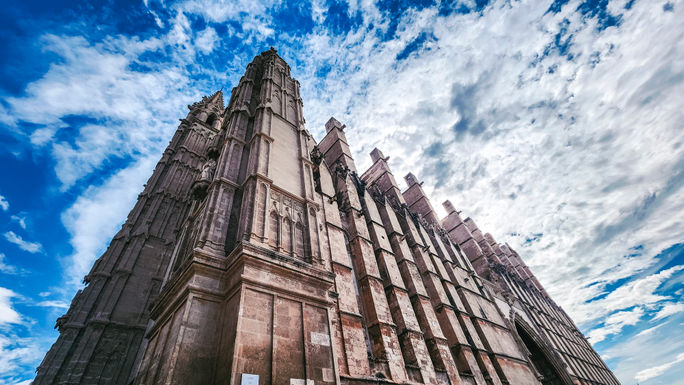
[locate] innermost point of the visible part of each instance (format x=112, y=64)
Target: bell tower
x=104, y=327
x=248, y=293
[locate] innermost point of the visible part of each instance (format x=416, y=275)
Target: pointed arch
x=260, y=212
x=287, y=235
x=276, y=103
x=211, y=119
x=300, y=241
x=274, y=229
x=549, y=367
x=291, y=111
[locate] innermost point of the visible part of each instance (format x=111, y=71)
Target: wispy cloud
x=668, y=310
x=53, y=303
x=658, y=370
x=206, y=40
x=16, y=354
x=31, y=247
x=638, y=292
x=650, y=330
x=124, y=112
x=615, y=323
x=20, y=220
x=651, y=348
x=5, y=268
x=97, y=214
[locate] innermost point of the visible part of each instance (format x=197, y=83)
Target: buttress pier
x=256, y=255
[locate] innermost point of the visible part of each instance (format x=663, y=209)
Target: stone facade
x=256, y=255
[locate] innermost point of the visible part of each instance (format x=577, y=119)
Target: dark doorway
x=539, y=358
x=211, y=119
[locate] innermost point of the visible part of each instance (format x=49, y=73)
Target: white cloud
x=251, y=14
x=658, y=370
x=4, y=204
x=26, y=382
x=206, y=40
x=20, y=220
x=31, y=247
x=135, y=110
x=658, y=345
x=5, y=268
x=53, y=303
x=18, y=355
x=7, y=313
x=649, y=330
x=640, y=292
x=98, y=213
x=615, y=323
x=586, y=152
x=669, y=309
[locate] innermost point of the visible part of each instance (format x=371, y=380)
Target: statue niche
x=200, y=186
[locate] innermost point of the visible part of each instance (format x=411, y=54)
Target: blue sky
x=556, y=125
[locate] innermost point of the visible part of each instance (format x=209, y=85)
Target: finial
x=376, y=155
x=411, y=179
x=333, y=123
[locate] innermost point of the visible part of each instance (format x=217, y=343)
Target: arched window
x=540, y=359
x=300, y=239
x=273, y=229
x=287, y=235
x=211, y=119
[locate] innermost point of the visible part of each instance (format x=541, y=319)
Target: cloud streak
x=656, y=371
x=31, y=247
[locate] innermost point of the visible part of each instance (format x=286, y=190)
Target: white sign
x=249, y=379
x=320, y=339
x=297, y=381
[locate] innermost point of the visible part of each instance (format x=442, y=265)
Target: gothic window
x=274, y=226
x=300, y=247
x=291, y=111
x=276, y=103
x=211, y=119
x=539, y=356
x=287, y=235
x=261, y=210
x=315, y=242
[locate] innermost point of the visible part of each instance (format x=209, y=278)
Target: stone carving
x=341, y=170
x=208, y=170
x=376, y=194
x=316, y=156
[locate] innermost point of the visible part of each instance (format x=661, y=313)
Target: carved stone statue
x=316, y=156
x=208, y=170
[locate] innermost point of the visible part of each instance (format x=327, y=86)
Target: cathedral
x=256, y=255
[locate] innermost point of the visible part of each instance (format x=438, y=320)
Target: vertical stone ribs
x=387, y=357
